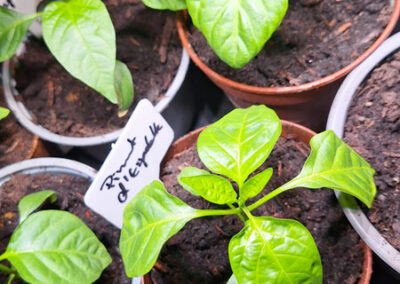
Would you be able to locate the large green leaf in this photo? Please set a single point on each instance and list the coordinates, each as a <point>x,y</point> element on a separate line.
<point>80,34</point>
<point>174,5</point>
<point>56,247</point>
<point>335,165</point>
<point>31,202</point>
<point>255,185</point>
<point>13,27</point>
<point>3,112</point>
<point>123,85</point>
<point>150,219</point>
<point>213,188</point>
<point>240,142</point>
<point>270,250</point>
<point>237,30</point>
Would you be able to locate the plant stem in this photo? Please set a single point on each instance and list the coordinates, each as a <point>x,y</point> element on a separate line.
<point>6,269</point>
<point>239,215</point>
<point>269,196</point>
<point>204,213</point>
<point>11,278</point>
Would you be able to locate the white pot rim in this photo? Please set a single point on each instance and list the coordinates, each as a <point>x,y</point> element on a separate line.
<point>336,122</point>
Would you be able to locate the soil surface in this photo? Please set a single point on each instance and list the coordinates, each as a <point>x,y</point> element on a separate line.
<point>147,42</point>
<point>15,142</point>
<point>373,130</point>
<point>199,252</point>
<point>70,191</point>
<point>315,39</point>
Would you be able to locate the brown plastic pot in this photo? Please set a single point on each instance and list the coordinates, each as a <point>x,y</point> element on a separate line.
<point>289,130</point>
<point>307,104</point>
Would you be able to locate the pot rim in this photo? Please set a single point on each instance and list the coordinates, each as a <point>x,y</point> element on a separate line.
<point>301,133</point>
<point>24,117</point>
<point>336,122</point>
<point>300,89</point>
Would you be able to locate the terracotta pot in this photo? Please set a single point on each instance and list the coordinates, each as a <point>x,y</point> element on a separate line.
<point>307,104</point>
<point>290,130</point>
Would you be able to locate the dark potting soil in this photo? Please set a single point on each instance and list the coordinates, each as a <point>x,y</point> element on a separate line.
<point>16,143</point>
<point>316,38</point>
<point>147,42</point>
<point>373,130</point>
<point>199,252</point>
<point>70,191</point>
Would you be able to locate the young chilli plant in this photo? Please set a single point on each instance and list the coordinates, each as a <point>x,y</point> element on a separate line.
<point>81,36</point>
<point>267,249</point>
<point>52,246</point>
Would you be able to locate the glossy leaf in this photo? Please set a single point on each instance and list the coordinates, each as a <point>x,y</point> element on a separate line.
<point>213,188</point>
<point>150,219</point>
<point>123,85</point>
<point>240,142</point>
<point>255,185</point>
<point>13,27</point>
<point>80,34</point>
<point>188,172</point>
<point>335,165</point>
<point>237,30</point>
<point>232,280</point>
<point>174,5</point>
<point>3,112</point>
<point>270,250</point>
<point>56,247</point>
<point>31,202</point>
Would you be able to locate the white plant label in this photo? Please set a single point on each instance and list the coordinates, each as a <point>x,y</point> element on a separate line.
<point>133,163</point>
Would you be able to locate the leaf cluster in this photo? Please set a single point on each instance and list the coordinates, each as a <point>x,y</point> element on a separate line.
<point>81,36</point>
<point>267,249</point>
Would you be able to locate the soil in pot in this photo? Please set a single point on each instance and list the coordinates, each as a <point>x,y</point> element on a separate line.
<point>70,191</point>
<point>316,38</point>
<point>373,129</point>
<point>147,42</point>
<point>199,252</point>
<point>16,143</point>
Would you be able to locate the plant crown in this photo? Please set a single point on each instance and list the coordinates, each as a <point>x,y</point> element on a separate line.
<point>52,246</point>
<point>267,249</point>
<point>236,30</point>
<point>81,36</point>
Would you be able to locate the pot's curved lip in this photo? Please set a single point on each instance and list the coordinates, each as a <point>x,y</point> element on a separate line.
<point>292,89</point>
<point>24,117</point>
<point>336,121</point>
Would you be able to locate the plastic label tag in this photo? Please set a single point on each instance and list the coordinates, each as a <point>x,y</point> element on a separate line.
<point>133,163</point>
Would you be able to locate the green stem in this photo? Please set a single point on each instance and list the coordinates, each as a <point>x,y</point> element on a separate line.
<point>204,213</point>
<point>269,196</point>
<point>247,212</point>
<point>6,269</point>
<point>12,276</point>
<point>239,215</point>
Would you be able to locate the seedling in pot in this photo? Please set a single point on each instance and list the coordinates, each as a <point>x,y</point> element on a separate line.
<point>81,36</point>
<point>52,246</point>
<point>267,249</point>
<point>3,112</point>
<point>236,30</point>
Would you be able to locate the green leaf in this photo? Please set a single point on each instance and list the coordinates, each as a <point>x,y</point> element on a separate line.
<point>240,142</point>
<point>189,172</point>
<point>31,202</point>
<point>13,27</point>
<point>56,247</point>
<point>232,280</point>
<point>255,185</point>
<point>237,30</point>
<point>3,112</point>
<point>335,165</point>
<point>80,34</point>
<point>174,5</point>
<point>123,85</point>
<point>270,250</point>
<point>213,188</point>
<point>150,219</point>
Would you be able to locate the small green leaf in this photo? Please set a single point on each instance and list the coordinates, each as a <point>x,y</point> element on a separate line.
<point>31,202</point>
<point>237,30</point>
<point>56,247</point>
<point>270,250</point>
<point>80,34</point>
<point>150,219</point>
<point>335,165</point>
<point>255,185</point>
<point>13,27</point>
<point>213,188</point>
<point>3,112</point>
<point>123,85</point>
<point>237,144</point>
<point>174,5</point>
<point>189,172</point>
